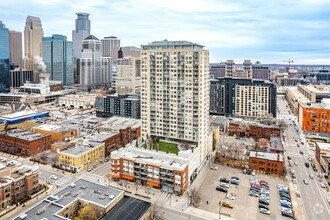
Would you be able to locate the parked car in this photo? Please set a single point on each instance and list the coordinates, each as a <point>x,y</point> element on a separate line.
<point>310,159</point>
<point>235,182</point>
<point>323,185</point>
<point>225,204</point>
<point>296,163</point>
<point>244,171</point>
<point>253,173</point>
<point>314,168</point>
<point>302,153</point>
<point>90,169</point>
<point>231,197</point>
<point>214,167</point>
<point>307,164</point>
<point>298,194</point>
<point>263,206</point>
<point>219,188</point>
<point>311,176</point>
<point>53,177</point>
<point>284,204</point>
<point>265,211</point>
<point>312,165</point>
<point>264,201</point>
<point>224,180</point>
<point>281,186</point>
<point>287,214</point>
<point>253,185</point>
<point>224,185</point>
<point>235,178</point>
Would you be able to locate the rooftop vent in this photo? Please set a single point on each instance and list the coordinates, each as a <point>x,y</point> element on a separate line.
<point>111,197</point>
<point>73,185</point>
<point>40,211</point>
<point>102,197</point>
<point>83,187</point>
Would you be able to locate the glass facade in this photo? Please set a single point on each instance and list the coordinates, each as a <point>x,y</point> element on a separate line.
<point>4,59</point>
<point>57,54</point>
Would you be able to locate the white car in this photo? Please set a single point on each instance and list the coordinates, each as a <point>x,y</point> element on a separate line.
<point>224,185</point>
<point>298,194</point>
<point>230,197</point>
<point>283,187</point>
<point>323,185</point>
<point>283,209</point>
<point>90,169</point>
<point>265,211</point>
<point>310,159</point>
<point>253,173</point>
<point>214,167</point>
<point>53,177</point>
<point>252,180</point>
<point>279,186</point>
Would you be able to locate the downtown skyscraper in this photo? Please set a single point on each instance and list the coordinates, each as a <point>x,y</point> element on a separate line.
<point>16,48</point>
<point>33,34</point>
<point>175,93</point>
<point>4,59</point>
<point>57,54</point>
<point>82,30</point>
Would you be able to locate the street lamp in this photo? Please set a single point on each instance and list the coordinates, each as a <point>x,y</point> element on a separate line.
<point>219,209</point>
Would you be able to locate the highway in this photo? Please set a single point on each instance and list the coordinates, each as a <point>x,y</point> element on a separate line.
<point>313,196</point>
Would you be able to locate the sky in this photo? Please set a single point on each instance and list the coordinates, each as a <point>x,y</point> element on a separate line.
<point>269,31</point>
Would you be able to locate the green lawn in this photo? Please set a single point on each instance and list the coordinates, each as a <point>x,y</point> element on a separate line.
<point>172,148</point>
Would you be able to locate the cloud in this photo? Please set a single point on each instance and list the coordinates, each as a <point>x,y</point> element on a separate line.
<point>242,29</point>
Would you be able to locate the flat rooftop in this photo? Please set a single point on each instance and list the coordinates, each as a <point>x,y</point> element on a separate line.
<point>83,190</point>
<point>158,158</point>
<point>21,114</point>
<point>121,122</point>
<point>219,120</point>
<point>267,155</point>
<point>55,128</point>
<point>25,135</point>
<point>100,137</point>
<point>128,209</point>
<point>252,123</point>
<point>323,146</point>
<point>81,148</point>
<point>276,143</point>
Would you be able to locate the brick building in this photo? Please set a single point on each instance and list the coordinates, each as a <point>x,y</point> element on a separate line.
<point>17,183</point>
<point>58,133</point>
<point>24,143</point>
<point>252,129</point>
<point>322,155</point>
<point>267,162</point>
<point>111,140</point>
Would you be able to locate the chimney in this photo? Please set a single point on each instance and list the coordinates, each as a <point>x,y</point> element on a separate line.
<point>120,54</point>
<point>278,157</point>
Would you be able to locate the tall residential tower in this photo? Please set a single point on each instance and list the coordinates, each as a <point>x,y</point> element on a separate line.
<point>57,54</point>
<point>16,53</point>
<point>175,93</point>
<point>82,30</point>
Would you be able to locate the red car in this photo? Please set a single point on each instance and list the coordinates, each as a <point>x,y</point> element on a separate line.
<point>255,185</point>
<point>262,186</point>
<point>263,181</point>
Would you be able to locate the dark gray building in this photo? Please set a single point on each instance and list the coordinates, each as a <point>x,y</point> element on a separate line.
<point>20,76</point>
<point>245,98</point>
<point>127,105</point>
<point>218,70</point>
<point>260,71</point>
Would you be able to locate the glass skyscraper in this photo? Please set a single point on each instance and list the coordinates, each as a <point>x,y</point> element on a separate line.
<point>57,54</point>
<point>4,59</point>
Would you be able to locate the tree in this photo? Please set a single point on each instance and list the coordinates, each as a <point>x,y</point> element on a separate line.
<point>150,143</point>
<point>86,213</point>
<point>194,196</point>
<point>185,145</point>
<point>155,212</point>
<point>54,159</point>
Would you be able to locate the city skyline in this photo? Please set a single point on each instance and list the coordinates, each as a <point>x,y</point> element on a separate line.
<point>266,31</point>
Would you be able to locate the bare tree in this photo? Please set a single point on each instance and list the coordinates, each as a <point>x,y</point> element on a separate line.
<point>185,145</point>
<point>194,196</point>
<point>150,143</point>
<point>54,159</point>
<point>155,212</point>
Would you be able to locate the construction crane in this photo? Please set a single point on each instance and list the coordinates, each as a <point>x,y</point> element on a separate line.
<point>288,61</point>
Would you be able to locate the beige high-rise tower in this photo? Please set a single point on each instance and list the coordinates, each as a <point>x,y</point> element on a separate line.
<point>128,75</point>
<point>33,34</point>
<point>15,46</point>
<point>175,93</point>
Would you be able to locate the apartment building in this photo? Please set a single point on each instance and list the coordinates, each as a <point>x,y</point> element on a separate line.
<point>125,105</point>
<point>111,140</point>
<point>252,129</point>
<point>175,93</point>
<point>313,118</point>
<point>128,75</point>
<point>24,143</point>
<point>322,155</point>
<point>247,71</point>
<point>17,182</point>
<point>82,156</point>
<point>266,162</point>
<point>57,133</point>
<point>245,98</point>
<point>159,170</point>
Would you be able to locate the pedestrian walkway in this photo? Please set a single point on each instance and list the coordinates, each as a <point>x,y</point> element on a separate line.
<point>295,154</point>
<point>62,181</point>
<point>94,178</point>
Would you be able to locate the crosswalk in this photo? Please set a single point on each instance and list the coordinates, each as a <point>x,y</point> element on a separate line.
<point>63,180</point>
<point>295,154</point>
<point>93,178</point>
<point>295,145</point>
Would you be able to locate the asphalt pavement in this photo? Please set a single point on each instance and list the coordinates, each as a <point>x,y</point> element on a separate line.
<point>313,196</point>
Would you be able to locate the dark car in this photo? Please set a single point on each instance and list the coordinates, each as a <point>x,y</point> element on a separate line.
<point>249,172</point>
<point>264,201</point>
<point>302,153</point>
<point>284,191</point>
<point>235,182</point>
<point>314,168</point>
<point>234,178</point>
<point>287,214</point>
<point>312,165</point>
<point>263,206</point>
<point>225,180</point>
<point>219,188</point>
<point>306,164</point>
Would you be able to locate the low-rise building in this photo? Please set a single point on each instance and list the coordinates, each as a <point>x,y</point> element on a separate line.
<point>111,140</point>
<point>60,145</point>
<point>17,182</point>
<point>276,145</point>
<point>77,101</point>
<point>81,156</point>
<point>21,116</point>
<point>157,169</point>
<point>322,155</point>
<point>252,129</point>
<point>267,162</point>
<point>128,128</point>
<point>108,203</point>
<point>24,143</point>
<point>57,133</point>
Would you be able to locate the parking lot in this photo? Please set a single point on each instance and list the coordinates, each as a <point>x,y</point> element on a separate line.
<point>244,205</point>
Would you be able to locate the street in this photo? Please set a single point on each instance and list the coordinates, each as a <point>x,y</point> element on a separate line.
<point>312,195</point>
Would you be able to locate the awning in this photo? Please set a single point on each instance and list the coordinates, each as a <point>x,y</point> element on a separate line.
<point>127,177</point>
<point>153,184</point>
<point>114,175</point>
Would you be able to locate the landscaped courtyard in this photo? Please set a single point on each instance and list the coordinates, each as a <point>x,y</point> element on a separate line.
<point>167,147</point>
